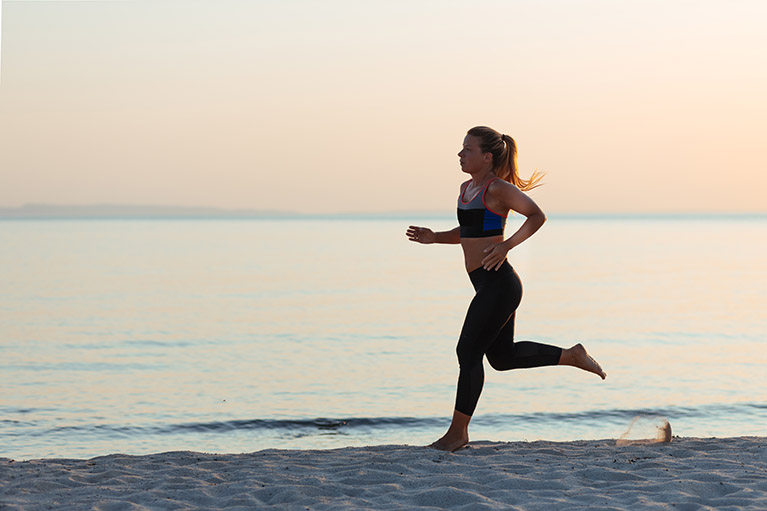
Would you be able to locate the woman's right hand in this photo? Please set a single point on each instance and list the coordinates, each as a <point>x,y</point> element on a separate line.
<point>421,235</point>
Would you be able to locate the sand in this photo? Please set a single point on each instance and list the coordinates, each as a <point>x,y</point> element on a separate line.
<point>686,474</point>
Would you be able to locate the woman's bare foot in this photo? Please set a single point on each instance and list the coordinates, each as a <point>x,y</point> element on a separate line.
<point>450,443</point>
<point>578,357</point>
<point>457,435</point>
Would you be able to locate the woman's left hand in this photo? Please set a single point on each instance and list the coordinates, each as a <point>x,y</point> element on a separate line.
<point>496,255</point>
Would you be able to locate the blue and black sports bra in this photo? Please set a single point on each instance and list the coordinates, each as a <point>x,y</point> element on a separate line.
<point>475,218</point>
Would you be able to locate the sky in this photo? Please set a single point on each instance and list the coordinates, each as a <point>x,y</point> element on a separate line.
<point>361,106</point>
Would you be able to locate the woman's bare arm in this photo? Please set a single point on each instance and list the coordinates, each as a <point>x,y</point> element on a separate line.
<point>427,236</point>
<point>512,198</point>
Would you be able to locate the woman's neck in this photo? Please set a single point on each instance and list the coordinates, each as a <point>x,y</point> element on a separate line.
<point>481,178</point>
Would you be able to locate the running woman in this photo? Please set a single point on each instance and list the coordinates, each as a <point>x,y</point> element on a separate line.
<point>484,202</point>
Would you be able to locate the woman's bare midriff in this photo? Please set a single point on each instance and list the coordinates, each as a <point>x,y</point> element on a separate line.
<point>474,250</point>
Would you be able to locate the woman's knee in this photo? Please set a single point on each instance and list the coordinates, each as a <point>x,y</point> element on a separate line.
<point>468,353</point>
<point>498,361</point>
<point>494,362</point>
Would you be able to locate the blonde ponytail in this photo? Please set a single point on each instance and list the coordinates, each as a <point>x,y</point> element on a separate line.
<point>504,151</point>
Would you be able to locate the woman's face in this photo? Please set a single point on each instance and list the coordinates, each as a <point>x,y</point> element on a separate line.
<point>473,160</point>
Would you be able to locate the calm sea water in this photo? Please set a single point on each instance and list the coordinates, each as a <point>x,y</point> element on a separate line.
<point>238,335</point>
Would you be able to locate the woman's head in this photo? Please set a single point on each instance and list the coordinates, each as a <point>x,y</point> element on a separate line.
<point>504,152</point>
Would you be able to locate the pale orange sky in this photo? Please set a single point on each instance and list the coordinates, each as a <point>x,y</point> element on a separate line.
<point>343,106</point>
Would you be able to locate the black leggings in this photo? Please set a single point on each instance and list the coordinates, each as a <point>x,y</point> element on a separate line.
<point>489,330</point>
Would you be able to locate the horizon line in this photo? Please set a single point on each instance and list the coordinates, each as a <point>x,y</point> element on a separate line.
<point>41,211</point>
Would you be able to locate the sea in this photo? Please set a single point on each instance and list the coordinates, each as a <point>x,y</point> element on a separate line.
<point>234,335</point>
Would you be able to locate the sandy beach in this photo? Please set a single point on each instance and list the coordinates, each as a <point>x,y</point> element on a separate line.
<point>686,474</point>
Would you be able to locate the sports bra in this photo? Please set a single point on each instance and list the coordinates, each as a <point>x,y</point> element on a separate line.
<point>476,220</point>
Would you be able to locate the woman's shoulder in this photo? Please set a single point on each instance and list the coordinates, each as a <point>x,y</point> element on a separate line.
<point>503,195</point>
<point>500,185</point>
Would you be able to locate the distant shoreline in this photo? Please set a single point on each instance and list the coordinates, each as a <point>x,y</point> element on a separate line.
<point>138,212</point>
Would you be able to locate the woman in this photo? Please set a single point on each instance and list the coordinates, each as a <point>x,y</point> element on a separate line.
<point>494,189</point>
